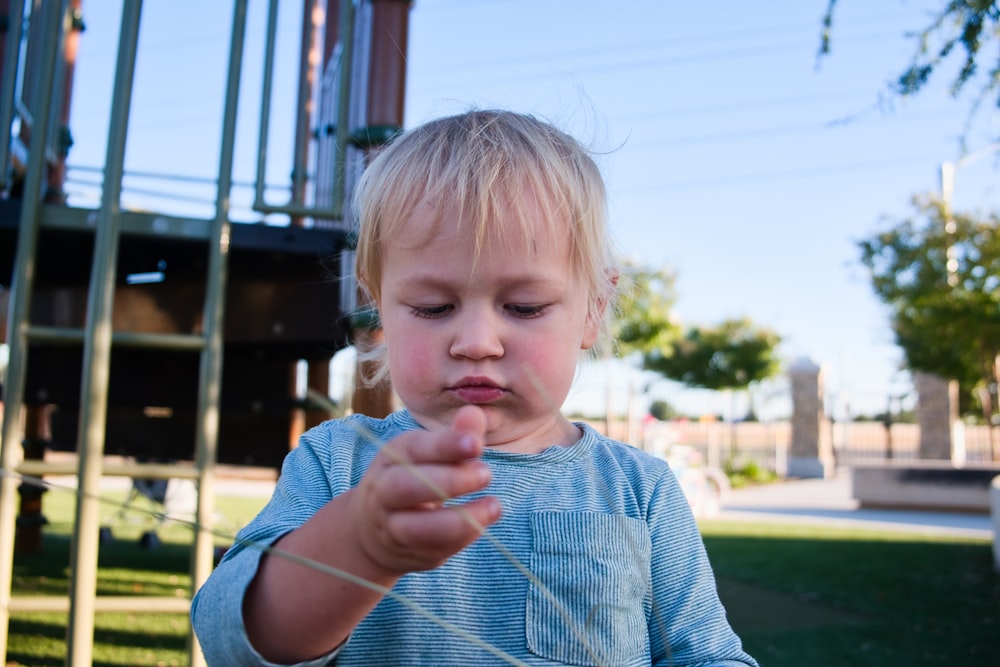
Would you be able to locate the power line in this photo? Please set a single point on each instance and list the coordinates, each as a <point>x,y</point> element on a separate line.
<point>765,33</point>
<point>752,134</point>
<point>784,174</point>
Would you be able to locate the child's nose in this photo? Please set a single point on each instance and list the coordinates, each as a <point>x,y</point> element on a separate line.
<point>477,336</point>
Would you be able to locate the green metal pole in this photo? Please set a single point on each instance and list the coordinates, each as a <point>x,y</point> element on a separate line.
<point>17,316</point>
<point>8,90</point>
<point>97,357</point>
<point>267,84</point>
<point>295,208</point>
<point>210,380</point>
<point>343,105</point>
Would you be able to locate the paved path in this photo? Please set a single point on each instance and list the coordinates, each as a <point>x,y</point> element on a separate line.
<point>829,501</point>
<point>826,501</point>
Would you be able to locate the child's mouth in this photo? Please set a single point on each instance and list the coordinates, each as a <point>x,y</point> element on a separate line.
<point>478,390</point>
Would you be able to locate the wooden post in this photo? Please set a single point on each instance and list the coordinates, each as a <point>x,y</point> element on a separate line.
<point>318,379</point>
<point>28,536</point>
<point>386,96</point>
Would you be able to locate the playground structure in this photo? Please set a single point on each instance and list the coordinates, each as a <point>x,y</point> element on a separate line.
<point>162,337</point>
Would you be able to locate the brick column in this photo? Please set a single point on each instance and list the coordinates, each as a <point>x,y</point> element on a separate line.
<point>811,452</point>
<point>941,436</point>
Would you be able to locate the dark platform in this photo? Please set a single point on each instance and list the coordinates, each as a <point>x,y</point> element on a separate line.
<point>282,305</point>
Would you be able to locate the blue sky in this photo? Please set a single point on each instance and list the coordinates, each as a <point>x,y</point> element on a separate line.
<point>734,157</point>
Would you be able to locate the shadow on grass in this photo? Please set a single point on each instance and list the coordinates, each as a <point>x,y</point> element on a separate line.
<point>42,642</point>
<point>46,572</point>
<point>801,596</point>
<point>754,609</point>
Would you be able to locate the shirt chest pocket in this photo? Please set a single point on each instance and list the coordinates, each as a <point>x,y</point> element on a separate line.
<point>590,601</point>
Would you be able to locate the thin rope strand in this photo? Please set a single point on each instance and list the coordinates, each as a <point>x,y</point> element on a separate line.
<point>492,539</point>
<point>279,553</point>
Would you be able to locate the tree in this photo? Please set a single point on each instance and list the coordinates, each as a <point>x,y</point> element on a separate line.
<point>733,355</point>
<point>645,304</point>
<point>729,357</point>
<point>946,318</point>
<point>662,410</point>
<point>962,27</point>
<point>644,319</point>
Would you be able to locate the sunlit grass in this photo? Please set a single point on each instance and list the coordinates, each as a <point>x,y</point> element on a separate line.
<point>126,568</point>
<point>119,639</point>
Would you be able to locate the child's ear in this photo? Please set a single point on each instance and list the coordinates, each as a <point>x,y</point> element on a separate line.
<point>598,310</point>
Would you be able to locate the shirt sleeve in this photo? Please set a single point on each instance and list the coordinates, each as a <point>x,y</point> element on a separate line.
<point>217,607</point>
<point>688,622</point>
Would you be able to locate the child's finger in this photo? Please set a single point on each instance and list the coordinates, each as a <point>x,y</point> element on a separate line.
<point>408,485</point>
<point>470,420</point>
<point>447,528</point>
<point>463,440</point>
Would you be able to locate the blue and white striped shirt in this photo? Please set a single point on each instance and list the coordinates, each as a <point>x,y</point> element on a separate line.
<point>618,571</point>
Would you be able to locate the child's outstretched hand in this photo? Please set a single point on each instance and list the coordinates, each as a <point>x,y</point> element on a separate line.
<point>399,515</point>
<point>393,522</point>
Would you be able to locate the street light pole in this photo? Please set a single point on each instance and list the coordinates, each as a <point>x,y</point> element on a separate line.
<point>947,191</point>
<point>948,170</point>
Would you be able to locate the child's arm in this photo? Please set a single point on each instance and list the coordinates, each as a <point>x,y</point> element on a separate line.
<point>390,524</point>
<point>690,626</point>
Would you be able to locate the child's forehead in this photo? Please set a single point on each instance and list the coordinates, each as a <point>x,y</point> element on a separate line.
<point>442,251</point>
<point>518,224</point>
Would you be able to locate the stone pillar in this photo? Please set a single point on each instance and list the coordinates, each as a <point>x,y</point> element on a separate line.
<point>811,452</point>
<point>937,413</point>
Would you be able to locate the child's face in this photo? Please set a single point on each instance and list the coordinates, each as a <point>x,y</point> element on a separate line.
<point>502,331</point>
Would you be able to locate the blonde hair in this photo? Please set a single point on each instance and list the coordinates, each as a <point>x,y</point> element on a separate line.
<point>479,163</point>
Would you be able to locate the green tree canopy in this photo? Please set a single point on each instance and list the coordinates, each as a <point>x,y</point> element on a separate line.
<point>967,30</point>
<point>646,322</point>
<point>733,355</point>
<point>662,410</point>
<point>939,274</point>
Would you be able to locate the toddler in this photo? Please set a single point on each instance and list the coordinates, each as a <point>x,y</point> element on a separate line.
<point>477,526</point>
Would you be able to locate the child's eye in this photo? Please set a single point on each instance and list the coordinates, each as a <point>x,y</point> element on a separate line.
<point>431,312</point>
<point>526,311</point>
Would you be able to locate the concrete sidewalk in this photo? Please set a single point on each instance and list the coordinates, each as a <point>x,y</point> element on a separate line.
<point>809,501</point>
<point>829,502</point>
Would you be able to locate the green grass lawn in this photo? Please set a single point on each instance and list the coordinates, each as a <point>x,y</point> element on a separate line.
<point>833,596</point>
<point>126,568</point>
<point>797,595</point>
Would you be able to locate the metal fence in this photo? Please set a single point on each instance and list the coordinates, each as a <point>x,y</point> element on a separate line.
<point>767,443</point>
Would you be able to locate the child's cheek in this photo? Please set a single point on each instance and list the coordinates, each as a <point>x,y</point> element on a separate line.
<point>550,368</point>
<point>412,365</point>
